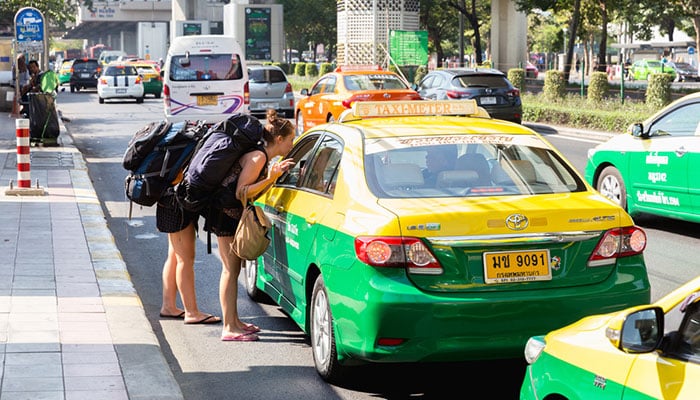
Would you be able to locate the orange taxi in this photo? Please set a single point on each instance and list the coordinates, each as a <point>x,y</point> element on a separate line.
<point>335,92</point>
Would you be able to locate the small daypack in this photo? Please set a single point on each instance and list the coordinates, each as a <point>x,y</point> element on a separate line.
<point>156,157</point>
<point>224,145</point>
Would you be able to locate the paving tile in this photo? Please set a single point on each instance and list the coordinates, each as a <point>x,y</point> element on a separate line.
<point>90,383</point>
<point>31,384</point>
<point>52,395</point>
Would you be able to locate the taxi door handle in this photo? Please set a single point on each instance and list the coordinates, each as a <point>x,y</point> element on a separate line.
<point>311,221</point>
<point>279,209</point>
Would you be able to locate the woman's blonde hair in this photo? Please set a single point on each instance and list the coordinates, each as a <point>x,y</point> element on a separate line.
<point>277,126</point>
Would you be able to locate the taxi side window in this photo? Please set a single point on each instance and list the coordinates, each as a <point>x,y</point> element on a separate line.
<point>680,122</point>
<point>322,174</point>
<point>318,87</point>
<point>301,153</point>
<point>690,331</point>
<point>329,87</point>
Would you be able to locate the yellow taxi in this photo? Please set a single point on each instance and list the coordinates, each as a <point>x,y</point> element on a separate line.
<point>152,81</point>
<point>336,91</point>
<point>644,352</point>
<point>426,231</point>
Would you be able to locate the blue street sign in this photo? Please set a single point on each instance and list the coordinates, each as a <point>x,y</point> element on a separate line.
<point>29,25</point>
<point>691,50</point>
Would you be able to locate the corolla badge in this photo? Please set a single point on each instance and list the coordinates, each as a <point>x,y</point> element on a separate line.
<point>517,222</point>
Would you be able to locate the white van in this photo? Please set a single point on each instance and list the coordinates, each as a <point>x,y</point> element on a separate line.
<point>107,56</point>
<point>204,78</point>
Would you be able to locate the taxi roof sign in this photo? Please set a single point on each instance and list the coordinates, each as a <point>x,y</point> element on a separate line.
<point>366,109</point>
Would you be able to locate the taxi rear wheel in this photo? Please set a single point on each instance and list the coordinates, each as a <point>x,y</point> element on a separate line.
<point>611,185</point>
<point>322,337</point>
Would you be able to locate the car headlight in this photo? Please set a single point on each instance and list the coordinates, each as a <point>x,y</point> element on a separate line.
<point>533,348</point>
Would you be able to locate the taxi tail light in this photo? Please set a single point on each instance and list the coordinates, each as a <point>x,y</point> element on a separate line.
<point>246,93</point>
<point>397,252</point>
<point>347,103</point>
<point>138,80</point>
<point>616,243</point>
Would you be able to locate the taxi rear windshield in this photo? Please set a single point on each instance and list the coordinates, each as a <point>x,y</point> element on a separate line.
<point>466,165</point>
<point>209,67</point>
<point>373,82</point>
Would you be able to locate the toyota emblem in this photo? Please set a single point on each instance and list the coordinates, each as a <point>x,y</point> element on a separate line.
<point>517,222</point>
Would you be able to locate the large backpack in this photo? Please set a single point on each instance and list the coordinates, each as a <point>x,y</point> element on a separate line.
<point>224,145</point>
<point>157,156</point>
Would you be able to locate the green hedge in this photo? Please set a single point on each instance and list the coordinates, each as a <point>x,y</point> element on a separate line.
<point>516,76</point>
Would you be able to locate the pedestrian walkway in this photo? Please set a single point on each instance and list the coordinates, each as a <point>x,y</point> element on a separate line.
<point>71,324</point>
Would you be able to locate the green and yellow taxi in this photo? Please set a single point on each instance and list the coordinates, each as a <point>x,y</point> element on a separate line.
<point>65,71</point>
<point>652,168</point>
<point>640,353</point>
<point>426,231</point>
<point>152,81</point>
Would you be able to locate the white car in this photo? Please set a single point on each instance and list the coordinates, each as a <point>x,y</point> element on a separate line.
<point>120,81</point>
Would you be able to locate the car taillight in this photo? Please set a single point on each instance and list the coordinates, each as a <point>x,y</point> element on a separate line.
<point>246,94</point>
<point>138,80</point>
<point>401,252</point>
<point>513,93</point>
<point>617,243</point>
<point>347,103</point>
<point>288,89</point>
<point>453,94</point>
<point>166,95</point>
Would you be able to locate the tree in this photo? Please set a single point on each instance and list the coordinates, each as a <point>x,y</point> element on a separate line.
<point>472,16</point>
<point>438,19</point>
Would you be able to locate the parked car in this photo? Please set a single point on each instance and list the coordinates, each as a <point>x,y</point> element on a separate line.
<point>652,168</point>
<point>152,81</point>
<point>269,88</point>
<point>426,231</point>
<point>84,74</point>
<point>531,71</point>
<point>643,69</point>
<point>489,87</point>
<point>336,91</point>
<point>120,81</point>
<point>64,71</point>
<point>685,72</point>
<point>644,352</point>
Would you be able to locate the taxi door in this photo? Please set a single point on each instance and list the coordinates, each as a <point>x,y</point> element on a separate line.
<point>661,175</point>
<point>303,199</point>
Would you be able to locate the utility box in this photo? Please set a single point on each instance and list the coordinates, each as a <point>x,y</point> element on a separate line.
<point>152,40</point>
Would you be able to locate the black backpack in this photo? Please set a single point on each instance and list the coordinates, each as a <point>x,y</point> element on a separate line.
<point>225,143</point>
<point>156,157</point>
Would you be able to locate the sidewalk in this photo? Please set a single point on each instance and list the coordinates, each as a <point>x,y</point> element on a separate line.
<point>71,323</point>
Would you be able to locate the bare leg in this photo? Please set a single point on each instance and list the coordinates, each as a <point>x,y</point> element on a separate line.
<point>169,306</point>
<point>228,288</point>
<point>183,245</point>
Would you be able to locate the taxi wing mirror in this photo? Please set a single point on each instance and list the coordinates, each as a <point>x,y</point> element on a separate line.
<point>304,92</point>
<point>640,330</point>
<point>637,130</point>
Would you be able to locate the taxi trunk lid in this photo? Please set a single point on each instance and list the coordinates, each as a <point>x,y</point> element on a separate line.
<point>487,243</point>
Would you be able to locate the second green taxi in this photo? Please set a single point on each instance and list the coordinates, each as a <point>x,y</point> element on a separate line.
<point>651,168</point>
<point>426,231</point>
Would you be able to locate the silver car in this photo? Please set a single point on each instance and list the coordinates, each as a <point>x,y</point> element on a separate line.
<point>269,88</point>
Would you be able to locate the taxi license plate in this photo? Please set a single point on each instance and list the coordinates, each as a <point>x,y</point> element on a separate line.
<point>517,266</point>
<point>209,100</point>
<point>488,100</point>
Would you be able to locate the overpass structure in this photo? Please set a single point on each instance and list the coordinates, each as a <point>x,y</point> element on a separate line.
<point>116,23</point>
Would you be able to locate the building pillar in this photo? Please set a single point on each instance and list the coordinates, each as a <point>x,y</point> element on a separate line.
<point>508,36</point>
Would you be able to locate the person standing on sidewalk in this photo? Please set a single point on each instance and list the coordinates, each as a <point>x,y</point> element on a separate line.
<point>178,269</point>
<point>251,171</point>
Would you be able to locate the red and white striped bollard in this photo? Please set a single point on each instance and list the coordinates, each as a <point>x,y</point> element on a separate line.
<point>23,158</point>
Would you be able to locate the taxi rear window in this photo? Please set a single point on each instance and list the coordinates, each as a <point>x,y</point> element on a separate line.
<point>466,165</point>
<point>373,82</point>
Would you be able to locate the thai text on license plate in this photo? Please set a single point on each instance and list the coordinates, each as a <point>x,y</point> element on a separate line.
<point>207,100</point>
<point>517,266</point>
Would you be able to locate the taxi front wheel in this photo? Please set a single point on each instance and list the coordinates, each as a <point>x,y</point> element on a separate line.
<point>322,337</point>
<point>611,185</point>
